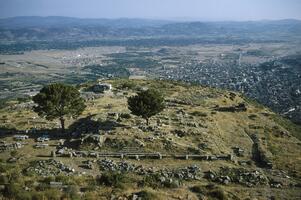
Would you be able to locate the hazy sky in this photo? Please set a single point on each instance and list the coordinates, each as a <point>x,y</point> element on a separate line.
<point>162,9</point>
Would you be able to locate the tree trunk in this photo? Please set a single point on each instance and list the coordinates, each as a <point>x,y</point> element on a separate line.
<point>147,121</point>
<point>62,124</point>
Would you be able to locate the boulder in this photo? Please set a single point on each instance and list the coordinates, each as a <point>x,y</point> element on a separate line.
<point>94,138</point>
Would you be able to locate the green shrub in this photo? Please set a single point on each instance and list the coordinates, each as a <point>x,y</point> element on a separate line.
<point>125,115</point>
<point>151,181</point>
<point>197,189</point>
<point>15,176</point>
<point>66,180</point>
<point>15,191</point>
<point>14,153</point>
<point>91,181</point>
<point>92,195</point>
<point>90,188</point>
<point>23,99</point>
<point>11,190</point>
<point>24,195</point>
<point>3,179</point>
<point>37,195</point>
<point>112,179</point>
<point>52,194</point>
<point>72,192</point>
<point>127,85</point>
<point>4,168</point>
<point>210,190</point>
<point>146,195</point>
<point>154,181</point>
<point>29,183</point>
<point>218,193</point>
<point>43,186</point>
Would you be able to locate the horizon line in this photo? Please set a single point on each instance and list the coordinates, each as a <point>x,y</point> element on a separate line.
<point>179,19</point>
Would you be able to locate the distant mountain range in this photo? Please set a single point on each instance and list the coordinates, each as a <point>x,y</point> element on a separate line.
<point>57,22</point>
<point>66,28</point>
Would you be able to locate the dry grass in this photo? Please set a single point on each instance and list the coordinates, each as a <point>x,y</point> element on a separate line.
<point>220,131</point>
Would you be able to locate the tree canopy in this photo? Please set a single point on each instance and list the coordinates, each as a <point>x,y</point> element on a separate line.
<point>146,104</point>
<point>58,101</point>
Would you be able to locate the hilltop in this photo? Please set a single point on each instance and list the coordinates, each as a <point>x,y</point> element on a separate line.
<point>207,144</point>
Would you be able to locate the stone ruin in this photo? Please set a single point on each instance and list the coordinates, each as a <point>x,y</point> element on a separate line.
<point>241,107</point>
<point>110,165</point>
<point>10,146</point>
<point>260,154</point>
<point>96,139</point>
<point>20,137</point>
<point>237,175</point>
<point>192,172</point>
<point>49,167</point>
<point>41,145</point>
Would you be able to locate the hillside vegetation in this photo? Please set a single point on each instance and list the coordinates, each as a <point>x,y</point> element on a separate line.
<point>206,144</point>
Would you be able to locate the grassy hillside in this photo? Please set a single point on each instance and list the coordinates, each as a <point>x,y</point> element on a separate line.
<point>264,152</point>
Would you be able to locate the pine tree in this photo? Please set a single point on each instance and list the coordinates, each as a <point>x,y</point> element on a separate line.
<point>58,101</point>
<point>146,104</point>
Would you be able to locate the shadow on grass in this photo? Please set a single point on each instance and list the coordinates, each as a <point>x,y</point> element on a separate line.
<point>89,126</point>
<point>80,127</point>
<point>32,133</point>
<point>4,132</point>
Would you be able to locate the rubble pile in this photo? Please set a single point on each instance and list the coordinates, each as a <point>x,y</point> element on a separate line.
<point>10,146</point>
<point>187,173</point>
<point>233,175</point>
<point>110,165</point>
<point>49,167</point>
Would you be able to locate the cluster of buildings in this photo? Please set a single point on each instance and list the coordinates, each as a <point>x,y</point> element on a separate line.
<point>278,88</point>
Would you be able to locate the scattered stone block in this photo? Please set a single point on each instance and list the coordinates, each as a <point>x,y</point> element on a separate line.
<point>41,145</point>
<point>43,138</point>
<point>12,160</point>
<point>21,137</point>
